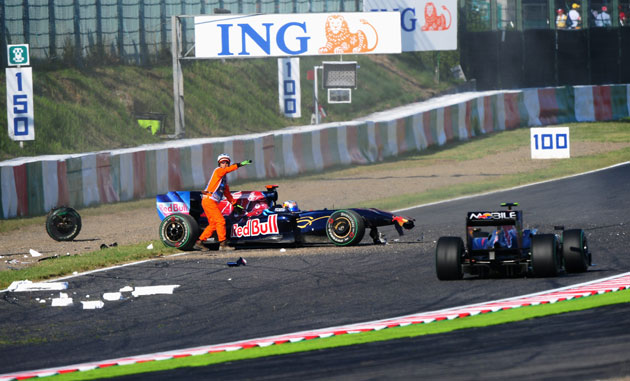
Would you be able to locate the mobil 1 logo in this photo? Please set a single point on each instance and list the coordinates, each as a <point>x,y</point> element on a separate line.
<point>550,143</point>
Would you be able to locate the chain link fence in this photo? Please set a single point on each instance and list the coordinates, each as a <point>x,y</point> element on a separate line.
<point>129,31</point>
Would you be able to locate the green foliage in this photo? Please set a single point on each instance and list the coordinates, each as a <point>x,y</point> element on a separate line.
<point>94,108</point>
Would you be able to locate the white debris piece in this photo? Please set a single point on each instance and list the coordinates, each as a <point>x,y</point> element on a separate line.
<point>154,290</point>
<point>92,304</point>
<point>34,253</point>
<point>126,289</point>
<point>283,250</point>
<point>150,247</point>
<point>112,296</point>
<point>27,285</point>
<point>62,301</point>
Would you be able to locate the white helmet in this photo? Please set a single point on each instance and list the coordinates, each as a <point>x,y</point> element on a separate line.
<point>224,156</point>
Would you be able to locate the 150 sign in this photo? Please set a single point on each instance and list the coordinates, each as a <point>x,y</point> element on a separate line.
<point>20,114</point>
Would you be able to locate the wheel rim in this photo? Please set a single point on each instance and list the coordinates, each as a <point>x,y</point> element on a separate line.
<point>63,224</point>
<point>342,228</point>
<point>174,230</point>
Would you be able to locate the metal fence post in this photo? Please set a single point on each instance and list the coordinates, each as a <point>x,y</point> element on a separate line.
<point>3,42</point>
<point>77,33</point>
<point>26,25</point>
<point>178,78</point>
<point>52,30</point>
<point>144,51</point>
<point>163,39</point>
<point>99,29</point>
<point>121,36</point>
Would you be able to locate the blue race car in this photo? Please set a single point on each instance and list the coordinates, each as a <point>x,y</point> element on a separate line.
<point>261,221</point>
<point>497,243</point>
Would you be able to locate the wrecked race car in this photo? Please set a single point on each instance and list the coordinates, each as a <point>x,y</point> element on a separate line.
<point>261,221</point>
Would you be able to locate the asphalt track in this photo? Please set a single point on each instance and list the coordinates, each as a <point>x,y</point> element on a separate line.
<point>314,288</point>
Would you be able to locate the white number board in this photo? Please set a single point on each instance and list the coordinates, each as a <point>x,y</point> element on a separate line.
<point>20,115</point>
<point>550,143</point>
<point>289,87</point>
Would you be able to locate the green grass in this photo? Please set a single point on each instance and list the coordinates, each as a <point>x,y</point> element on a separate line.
<point>65,265</point>
<point>482,320</point>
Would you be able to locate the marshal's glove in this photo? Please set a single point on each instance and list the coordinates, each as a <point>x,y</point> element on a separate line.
<point>243,163</point>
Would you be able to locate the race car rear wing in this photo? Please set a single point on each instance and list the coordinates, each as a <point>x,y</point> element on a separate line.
<point>500,218</point>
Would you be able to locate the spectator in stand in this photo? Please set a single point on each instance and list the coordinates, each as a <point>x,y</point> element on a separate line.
<point>574,16</point>
<point>622,17</point>
<point>603,18</point>
<point>561,19</point>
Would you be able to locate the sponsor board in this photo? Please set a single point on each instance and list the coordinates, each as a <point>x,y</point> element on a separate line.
<point>425,25</point>
<point>168,208</point>
<point>254,227</point>
<point>300,34</point>
<point>492,215</point>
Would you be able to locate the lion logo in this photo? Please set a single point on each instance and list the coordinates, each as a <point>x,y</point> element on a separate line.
<point>433,21</point>
<point>339,39</point>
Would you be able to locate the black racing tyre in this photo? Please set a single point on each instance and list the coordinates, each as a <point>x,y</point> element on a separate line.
<point>180,231</point>
<point>448,258</point>
<point>545,261</point>
<point>345,228</point>
<point>575,251</point>
<point>63,224</point>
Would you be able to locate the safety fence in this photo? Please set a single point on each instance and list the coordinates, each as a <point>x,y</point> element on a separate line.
<point>32,186</point>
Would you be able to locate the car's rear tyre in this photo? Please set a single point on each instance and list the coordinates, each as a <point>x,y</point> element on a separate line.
<point>545,260</point>
<point>63,224</point>
<point>448,258</point>
<point>575,251</point>
<point>345,228</point>
<point>180,231</point>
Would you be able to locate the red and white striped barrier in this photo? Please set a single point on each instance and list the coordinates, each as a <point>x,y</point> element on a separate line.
<point>611,284</point>
<point>32,186</point>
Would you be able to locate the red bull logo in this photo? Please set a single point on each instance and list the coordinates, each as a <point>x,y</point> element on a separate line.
<point>255,228</point>
<point>168,208</point>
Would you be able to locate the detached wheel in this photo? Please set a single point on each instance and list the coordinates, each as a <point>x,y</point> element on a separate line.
<point>63,224</point>
<point>180,231</point>
<point>345,228</point>
<point>448,258</point>
<point>545,261</point>
<point>575,251</point>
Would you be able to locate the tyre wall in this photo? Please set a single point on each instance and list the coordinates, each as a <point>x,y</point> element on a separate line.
<point>32,186</point>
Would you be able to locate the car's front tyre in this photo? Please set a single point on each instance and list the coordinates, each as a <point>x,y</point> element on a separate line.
<point>345,228</point>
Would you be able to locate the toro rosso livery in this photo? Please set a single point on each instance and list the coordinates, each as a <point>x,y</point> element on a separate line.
<point>257,219</point>
<point>497,243</point>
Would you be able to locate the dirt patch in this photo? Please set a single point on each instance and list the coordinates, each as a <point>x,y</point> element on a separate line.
<point>335,189</point>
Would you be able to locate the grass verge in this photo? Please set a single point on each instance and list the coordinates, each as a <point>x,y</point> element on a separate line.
<point>66,265</point>
<point>482,320</point>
